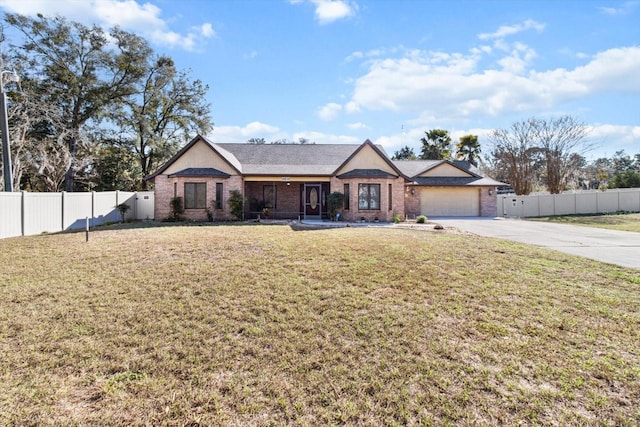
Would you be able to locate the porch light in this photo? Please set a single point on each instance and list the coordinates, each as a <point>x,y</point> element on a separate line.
<point>491,191</point>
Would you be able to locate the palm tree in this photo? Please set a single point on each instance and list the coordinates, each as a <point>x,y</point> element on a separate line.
<point>468,149</point>
<point>436,145</point>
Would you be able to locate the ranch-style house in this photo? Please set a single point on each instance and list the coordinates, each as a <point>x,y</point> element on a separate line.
<point>291,181</point>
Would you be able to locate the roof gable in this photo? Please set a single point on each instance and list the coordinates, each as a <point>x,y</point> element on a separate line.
<point>197,154</point>
<point>446,169</point>
<point>368,157</point>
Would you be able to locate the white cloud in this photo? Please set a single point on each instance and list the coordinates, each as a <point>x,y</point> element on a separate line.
<point>509,30</point>
<point>328,11</point>
<point>144,19</point>
<point>351,107</point>
<point>357,126</point>
<point>248,131</point>
<point>450,85</point>
<point>622,137</point>
<point>329,111</point>
<point>624,9</point>
<point>250,55</point>
<point>207,30</point>
<point>324,138</point>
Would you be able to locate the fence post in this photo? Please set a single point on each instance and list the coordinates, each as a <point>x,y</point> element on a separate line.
<point>22,215</point>
<point>93,208</point>
<point>62,216</point>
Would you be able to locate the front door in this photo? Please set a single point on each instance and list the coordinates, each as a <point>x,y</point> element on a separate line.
<point>312,201</point>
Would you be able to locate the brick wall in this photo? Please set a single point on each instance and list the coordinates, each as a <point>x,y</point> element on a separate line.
<point>488,203</point>
<point>164,192</point>
<point>384,214</point>
<point>412,202</point>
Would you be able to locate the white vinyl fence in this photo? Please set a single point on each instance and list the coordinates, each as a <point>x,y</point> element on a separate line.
<point>23,213</point>
<point>579,202</point>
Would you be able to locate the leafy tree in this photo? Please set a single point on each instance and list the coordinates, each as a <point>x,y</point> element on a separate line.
<point>256,141</point>
<point>436,145</point>
<point>79,69</point>
<point>621,162</point>
<point>163,112</point>
<point>405,153</point>
<point>116,167</point>
<point>559,139</point>
<point>626,179</point>
<point>468,148</point>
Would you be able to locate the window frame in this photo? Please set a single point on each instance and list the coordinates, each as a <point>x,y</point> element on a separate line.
<point>219,195</point>
<point>196,199</point>
<point>367,205</point>
<point>347,195</point>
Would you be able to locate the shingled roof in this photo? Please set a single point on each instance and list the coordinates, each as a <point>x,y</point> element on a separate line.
<point>289,159</point>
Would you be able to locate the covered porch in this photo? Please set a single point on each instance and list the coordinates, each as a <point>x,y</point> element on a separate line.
<point>275,197</point>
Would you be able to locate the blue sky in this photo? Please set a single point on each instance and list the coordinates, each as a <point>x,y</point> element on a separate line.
<point>342,71</point>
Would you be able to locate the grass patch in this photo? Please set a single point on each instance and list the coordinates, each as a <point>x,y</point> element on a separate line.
<point>622,222</point>
<point>263,325</point>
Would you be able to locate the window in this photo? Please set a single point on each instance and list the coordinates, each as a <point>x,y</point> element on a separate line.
<point>346,197</point>
<point>369,196</point>
<point>269,196</point>
<point>195,195</point>
<point>218,195</point>
<point>390,196</point>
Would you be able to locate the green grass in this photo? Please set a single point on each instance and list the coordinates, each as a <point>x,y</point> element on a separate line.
<point>622,222</point>
<point>263,325</point>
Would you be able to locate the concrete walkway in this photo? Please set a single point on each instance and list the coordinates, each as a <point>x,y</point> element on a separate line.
<point>611,246</point>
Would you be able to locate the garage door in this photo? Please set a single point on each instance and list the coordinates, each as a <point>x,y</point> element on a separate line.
<point>446,201</point>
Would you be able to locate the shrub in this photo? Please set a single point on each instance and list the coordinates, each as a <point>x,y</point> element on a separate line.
<point>397,218</point>
<point>236,204</point>
<point>177,207</point>
<point>335,202</point>
<point>421,219</point>
<point>123,208</point>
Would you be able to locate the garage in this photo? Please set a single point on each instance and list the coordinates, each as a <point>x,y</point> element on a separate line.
<point>450,201</point>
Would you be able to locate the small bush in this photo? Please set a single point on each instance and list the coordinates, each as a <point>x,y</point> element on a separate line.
<point>123,208</point>
<point>335,201</point>
<point>421,219</point>
<point>397,218</point>
<point>177,208</point>
<point>236,204</point>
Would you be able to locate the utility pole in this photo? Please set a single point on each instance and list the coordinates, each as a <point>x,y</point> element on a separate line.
<point>4,127</point>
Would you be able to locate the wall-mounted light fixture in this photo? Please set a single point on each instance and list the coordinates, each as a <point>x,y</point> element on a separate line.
<point>413,191</point>
<point>491,191</point>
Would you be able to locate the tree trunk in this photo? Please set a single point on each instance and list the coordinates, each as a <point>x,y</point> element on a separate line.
<point>69,176</point>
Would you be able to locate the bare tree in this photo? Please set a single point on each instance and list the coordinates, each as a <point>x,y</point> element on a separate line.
<point>560,139</point>
<point>515,155</point>
<point>38,145</point>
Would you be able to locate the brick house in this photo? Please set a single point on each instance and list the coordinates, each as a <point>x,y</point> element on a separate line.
<point>290,181</point>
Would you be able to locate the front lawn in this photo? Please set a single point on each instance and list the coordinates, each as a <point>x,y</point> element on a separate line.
<point>622,222</point>
<point>263,325</point>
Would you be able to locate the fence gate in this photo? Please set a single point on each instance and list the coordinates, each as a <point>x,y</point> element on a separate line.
<point>144,204</point>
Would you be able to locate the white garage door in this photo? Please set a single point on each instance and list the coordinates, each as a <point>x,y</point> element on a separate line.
<point>446,201</point>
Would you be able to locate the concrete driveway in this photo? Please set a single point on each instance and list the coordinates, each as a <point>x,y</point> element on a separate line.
<point>611,246</point>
